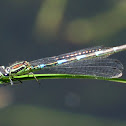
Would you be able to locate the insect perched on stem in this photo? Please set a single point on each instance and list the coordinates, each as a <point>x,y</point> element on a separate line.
<point>90,61</point>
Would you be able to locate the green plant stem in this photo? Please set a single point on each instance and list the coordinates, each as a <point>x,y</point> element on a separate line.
<point>58,76</point>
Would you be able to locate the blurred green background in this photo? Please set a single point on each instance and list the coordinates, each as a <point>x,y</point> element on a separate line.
<point>32,29</point>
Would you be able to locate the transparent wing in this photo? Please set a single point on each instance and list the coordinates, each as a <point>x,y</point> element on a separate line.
<point>67,55</point>
<point>110,68</point>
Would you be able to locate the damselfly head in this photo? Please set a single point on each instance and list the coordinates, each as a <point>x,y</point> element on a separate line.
<point>3,71</point>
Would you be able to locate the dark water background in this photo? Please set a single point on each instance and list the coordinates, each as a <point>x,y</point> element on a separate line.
<point>32,29</point>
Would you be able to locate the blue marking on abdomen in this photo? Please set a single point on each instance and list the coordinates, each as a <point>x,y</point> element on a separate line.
<point>80,57</point>
<point>61,61</point>
<point>98,53</point>
<point>42,65</point>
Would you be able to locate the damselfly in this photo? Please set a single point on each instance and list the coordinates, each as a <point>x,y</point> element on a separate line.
<point>89,61</point>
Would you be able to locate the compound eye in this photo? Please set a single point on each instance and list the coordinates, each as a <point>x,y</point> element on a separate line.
<point>3,67</point>
<point>8,69</point>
